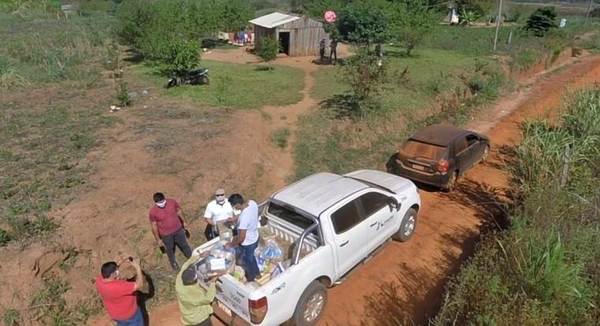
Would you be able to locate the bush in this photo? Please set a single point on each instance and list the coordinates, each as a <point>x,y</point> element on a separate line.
<point>541,21</point>
<point>268,49</point>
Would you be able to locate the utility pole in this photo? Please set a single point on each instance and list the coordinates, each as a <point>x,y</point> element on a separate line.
<point>498,23</point>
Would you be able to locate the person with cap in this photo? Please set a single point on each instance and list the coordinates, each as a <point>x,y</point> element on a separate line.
<point>247,234</point>
<point>194,301</point>
<point>166,220</point>
<point>119,296</point>
<point>217,211</point>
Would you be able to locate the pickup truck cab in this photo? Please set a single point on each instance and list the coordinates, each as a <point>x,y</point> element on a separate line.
<point>332,223</point>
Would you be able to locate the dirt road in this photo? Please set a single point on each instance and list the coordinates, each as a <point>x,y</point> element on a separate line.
<point>405,282</point>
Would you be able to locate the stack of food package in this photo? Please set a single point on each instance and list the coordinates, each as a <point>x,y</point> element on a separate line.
<point>269,258</point>
<point>219,261</point>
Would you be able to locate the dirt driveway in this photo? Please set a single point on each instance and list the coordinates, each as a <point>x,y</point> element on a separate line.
<point>404,283</point>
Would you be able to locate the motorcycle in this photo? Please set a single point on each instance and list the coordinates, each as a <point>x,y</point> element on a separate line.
<point>193,77</point>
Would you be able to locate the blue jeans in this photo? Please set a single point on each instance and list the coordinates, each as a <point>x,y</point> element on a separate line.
<point>249,261</point>
<point>136,320</point>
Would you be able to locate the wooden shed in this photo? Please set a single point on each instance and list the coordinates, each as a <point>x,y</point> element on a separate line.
<point>298,36</point>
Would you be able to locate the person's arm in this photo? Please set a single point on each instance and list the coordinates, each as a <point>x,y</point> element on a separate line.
<point>239,239</point>
<point>139,276</point>
<point>180,213</point>
<point>154,227</point>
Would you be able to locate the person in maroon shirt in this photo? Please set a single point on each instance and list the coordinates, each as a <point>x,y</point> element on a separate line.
<point>166,220</point>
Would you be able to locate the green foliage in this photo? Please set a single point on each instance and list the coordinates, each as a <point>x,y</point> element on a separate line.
<point>364,76</point>
<point>541,21</point>
<point>280,137</point>
<point>544,269</point>
<point>268,49</point>
<point>364,22</point>
<point>411,22</point>
<point>4,237</point>
<point>12,317</point>
<point>123,93</point>
<point>169,32</point>
<point>51,307</point>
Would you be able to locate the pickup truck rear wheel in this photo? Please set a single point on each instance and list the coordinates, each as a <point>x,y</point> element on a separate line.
<point>408,226</point>
<point>311,305</point>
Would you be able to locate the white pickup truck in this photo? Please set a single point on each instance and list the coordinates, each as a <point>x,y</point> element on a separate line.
<point>333,223</point>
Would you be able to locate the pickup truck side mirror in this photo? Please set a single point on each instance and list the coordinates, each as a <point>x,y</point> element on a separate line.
<point>393,203</point>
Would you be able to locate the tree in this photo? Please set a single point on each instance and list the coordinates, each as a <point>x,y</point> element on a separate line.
<point>365,22</point>
<point>365,78</point>
<point>268,49</point>
<point>410,22</point>
<point>541,21</point>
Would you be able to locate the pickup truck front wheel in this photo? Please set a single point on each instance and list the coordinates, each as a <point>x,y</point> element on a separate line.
<point>311,305</point>
<point>408,226</point>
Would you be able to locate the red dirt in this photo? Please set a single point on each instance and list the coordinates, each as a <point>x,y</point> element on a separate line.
<point>413,275</point>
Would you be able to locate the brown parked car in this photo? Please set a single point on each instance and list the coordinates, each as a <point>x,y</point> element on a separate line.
<point>437,155</point>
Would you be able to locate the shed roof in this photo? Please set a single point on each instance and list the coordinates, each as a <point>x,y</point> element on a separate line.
<point>273,20</point>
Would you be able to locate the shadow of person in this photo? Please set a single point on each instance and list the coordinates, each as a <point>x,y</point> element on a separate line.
<point>143,296</point>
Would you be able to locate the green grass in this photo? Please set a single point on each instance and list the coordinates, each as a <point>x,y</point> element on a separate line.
<point>236,85</point>
<point>280,137</point>
<point>39,162</point>
<point>42,49</point>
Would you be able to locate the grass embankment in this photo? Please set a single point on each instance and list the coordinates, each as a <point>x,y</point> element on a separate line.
<point>236,85</point>
<point>543,270</point>
<point>451,74</point>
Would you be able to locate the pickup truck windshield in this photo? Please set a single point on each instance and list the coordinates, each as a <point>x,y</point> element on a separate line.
<point>289,216</point>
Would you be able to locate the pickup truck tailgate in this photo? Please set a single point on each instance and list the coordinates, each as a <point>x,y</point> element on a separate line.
<point>234,295</point>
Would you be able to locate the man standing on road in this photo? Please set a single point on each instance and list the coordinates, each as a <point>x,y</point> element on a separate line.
<point>118,296</point>
<point>218,210</point>
<point>194,301</point>
<point>247,238</point>
<point>166,220</point>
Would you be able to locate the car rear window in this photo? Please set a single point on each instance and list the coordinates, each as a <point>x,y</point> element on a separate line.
<point>416,149</point>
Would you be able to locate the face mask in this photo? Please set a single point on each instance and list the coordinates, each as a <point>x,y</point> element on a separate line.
<point>162,203</point>
<point>220,199</point>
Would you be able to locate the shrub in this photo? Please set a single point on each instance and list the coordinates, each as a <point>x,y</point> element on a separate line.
<point>280,137</point>
<point>268,49</point>
<point>123,97</point>
<point>541,21</point>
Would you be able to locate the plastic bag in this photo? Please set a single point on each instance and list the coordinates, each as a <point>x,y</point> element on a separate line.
<point>271,251</point>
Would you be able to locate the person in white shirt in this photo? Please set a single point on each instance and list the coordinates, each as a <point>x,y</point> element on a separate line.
<point>247,238</point>
<point>217,211</point>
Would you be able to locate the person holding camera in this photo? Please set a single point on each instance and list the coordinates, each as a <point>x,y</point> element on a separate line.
<point>119,296</point>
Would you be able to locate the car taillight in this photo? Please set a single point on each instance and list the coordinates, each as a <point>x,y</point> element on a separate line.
<point>258,309</point>
<point>443,166</point>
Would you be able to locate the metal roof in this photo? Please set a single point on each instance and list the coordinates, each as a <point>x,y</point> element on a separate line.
<point>316,193</point>
<point>440,135</point>
<point>273,20</point>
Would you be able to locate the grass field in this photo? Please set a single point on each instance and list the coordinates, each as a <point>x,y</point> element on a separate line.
<point>236,85</point>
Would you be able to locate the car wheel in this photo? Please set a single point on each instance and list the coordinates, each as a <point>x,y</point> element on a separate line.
<point>311,305</point>
<point>205,80</point>
<point>408,226</point>
<point>486,152</point>
<point>452,180</point>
